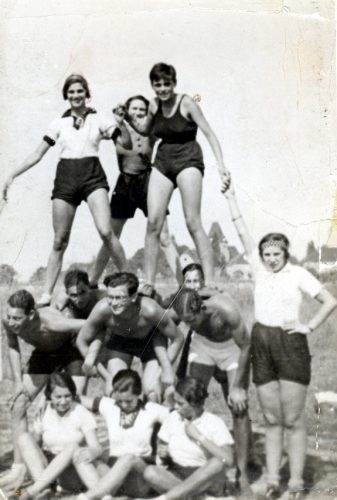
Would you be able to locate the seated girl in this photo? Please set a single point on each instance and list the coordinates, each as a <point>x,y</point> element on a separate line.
<point>195,444</point>
<point>69,445</point>
<point>130,424</point>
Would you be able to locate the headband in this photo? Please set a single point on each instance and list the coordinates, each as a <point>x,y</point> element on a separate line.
<point>275,243</point>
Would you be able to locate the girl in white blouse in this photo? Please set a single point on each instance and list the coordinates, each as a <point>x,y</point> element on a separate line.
<point>130,423</point>
<point>64,443</point>
<point>79,173</point>
<point>280,353</point>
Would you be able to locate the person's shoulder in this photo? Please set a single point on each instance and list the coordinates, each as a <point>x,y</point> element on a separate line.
<point>223,303</point>
<point>149,308</point>
<point>156,408</point>
<point>101,308</point>
<point>212,419</point>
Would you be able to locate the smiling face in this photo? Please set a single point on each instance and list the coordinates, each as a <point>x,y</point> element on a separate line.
<point>79,295</point>
<point>76,96</point>
<point>137,108</point>
<point>61,399</point>
<point>17,319</point>
<point>164,89</point>
<point>273,258</point>
<point>119,299</point>
<point>193,280</point>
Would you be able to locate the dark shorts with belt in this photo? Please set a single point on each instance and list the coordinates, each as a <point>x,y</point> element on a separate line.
<point>76,179</point>
<point>67,358</point>
<point>141,348</point>
<point>130,193</point>
<point>278,355</point>
<point>171,159</point>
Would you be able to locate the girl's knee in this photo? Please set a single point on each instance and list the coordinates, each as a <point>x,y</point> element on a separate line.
<point>216,465</point>
<point>150,474</point>
<point>60,242</point>
<point>271,419</point>
<point>105,234</point>
<point>193,224</point>
<point>293,420</point>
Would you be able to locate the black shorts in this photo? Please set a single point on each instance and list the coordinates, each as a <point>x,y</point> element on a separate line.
<point>76,179</point>
<point>171,159</point>
<point>180,471</point>
<point>67,358</point>
<point>278,355</point>
<point>130,193</point>
<point>141,348</point>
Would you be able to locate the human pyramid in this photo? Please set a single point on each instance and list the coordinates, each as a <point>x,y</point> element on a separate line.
<point>163,444</point>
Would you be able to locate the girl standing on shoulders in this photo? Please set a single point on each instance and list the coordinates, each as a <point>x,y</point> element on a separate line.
<point>280,353</point>
<point>175,119</point>
<point>79,174</point>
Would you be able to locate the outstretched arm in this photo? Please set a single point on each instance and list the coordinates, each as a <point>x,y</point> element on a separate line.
<point>239,222</point>
<point>197,115</point>
<point>28,163</point>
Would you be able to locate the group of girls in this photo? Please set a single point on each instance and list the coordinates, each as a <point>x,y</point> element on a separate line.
<point>194,447</point>
<point>174,119</point>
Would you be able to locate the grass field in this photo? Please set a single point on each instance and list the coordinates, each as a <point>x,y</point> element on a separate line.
<point>321,470</point>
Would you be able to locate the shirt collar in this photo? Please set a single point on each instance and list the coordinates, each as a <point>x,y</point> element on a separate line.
<point>78,120</point>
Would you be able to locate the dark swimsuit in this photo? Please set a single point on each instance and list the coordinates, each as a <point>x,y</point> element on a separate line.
<point>178,149</point>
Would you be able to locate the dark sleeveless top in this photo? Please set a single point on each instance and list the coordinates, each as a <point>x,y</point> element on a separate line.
<point>178,148</point>
<point>174,129</point>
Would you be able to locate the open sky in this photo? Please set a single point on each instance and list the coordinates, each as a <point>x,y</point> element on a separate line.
<point>266,78</point>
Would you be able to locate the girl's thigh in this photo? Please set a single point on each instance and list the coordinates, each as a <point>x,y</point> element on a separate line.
<point>158,195</point>
<point>190,186</point>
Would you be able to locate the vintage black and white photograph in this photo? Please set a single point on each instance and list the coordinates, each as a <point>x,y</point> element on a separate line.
<point>168,242</point>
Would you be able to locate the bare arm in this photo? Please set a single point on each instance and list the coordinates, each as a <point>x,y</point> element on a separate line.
<point>14,357</point>
<point>329,304</point>
<point>28,163</point>
<point>89,333</point>
<point>55,322</point>
<point>197,115</point>
<point>224,453</point>
<point>239,222</point>
<point>94,448</point>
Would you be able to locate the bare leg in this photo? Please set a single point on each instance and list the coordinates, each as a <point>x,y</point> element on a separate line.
<point>242,436</point>
<point>86,470</point>
<point>98,203</point>
<point>293,397</point>
<point>170,251</point>
<point>190,186</point>
<point>158,197</point>
<point>151,381</point>
<point>114,479</point>
<point>197,482</point>
<point>103,255</point>
<point>63,218</point>
<point>269,398</point>
<point>51,472</point>
<point>118,361</point>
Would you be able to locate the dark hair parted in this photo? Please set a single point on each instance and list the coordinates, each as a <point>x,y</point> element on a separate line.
<point>75,277</point>
<point>163,71</point>
<point>193,390</point>
<point>276,239</point>
<point>194,266</point>
<point>118,279</point>
<point>61,379</point>
<point>75,78</point>
<point>186,302</point>
<point>22,300</point>
<point>127,380</point>
<point>139,98</point>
